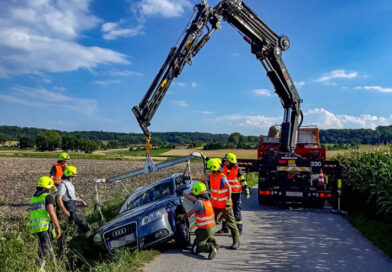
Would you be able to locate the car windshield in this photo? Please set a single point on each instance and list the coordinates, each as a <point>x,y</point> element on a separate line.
<point>151,194</point>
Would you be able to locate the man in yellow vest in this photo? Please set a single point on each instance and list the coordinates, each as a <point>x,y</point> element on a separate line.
<point>205,220</point>
<point>238,185</point>
<point>57,171</point>
<point>221,197</point>
<point>42,214</point>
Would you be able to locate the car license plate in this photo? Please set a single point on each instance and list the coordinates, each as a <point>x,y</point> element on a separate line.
<point>130,238</point>
<point>294,194</point>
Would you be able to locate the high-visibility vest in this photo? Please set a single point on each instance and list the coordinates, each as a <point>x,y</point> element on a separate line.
<point>232,176</point>
<point>206,220</point>
<point>219,195</point>
<point>39,216</point>
<point>58,177</point>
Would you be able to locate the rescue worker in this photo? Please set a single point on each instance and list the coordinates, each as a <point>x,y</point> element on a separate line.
<point>43,215</point>
<point>57,171</point>
<point>205,220</point>
<point>221,197</point>
<point>68,201</point>
<point>238,185</point>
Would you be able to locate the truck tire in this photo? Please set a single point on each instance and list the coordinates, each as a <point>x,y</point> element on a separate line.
<point>264,200</point>
<point>182,235</point>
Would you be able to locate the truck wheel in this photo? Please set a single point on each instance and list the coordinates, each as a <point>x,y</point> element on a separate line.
<point>182,235</point>
<point>264,200</point>
<point>319,204</point>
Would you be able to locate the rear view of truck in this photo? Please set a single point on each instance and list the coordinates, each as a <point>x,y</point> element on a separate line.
<point>290,177</point>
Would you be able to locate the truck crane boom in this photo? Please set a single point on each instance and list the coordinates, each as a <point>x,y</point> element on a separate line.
<point>265,44</point>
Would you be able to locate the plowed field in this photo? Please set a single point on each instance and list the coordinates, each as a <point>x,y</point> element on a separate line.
<point>19,176</point>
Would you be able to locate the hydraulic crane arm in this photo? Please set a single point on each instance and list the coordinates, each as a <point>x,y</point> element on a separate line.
<point>268,47</point>
<point>187,47</point>
<point>265,44</point>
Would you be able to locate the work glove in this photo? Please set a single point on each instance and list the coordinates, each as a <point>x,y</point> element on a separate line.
<point>180,190</point>
<point>228,202</point>
<point>246,191</point>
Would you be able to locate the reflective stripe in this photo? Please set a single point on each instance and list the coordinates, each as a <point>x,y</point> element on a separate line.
<point>219,191</point>
<point>38,206</point>
<point>44,219</point>
<point>205,218</point>
<point>219,199</point>
<point>239,222</point>
<point>39,226</point>
<point>205,223</point>
<point>235,186</point>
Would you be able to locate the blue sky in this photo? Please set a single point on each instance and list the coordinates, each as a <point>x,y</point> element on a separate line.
<point>81,65</point>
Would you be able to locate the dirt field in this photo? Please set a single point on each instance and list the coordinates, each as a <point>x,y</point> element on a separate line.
<point>19,177</point>
<point>241,153</point>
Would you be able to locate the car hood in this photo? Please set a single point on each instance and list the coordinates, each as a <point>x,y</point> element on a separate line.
<point>136,214</point>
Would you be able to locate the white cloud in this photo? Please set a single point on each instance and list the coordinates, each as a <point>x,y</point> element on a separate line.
<point>164,8</point>
<point>207,112</point>
<point>247,123</point>
<point>42,99</point>
<point>125,73</point>
<point>300,84</point>
<point>181,84</point>
<point>194,85</point>
<point>106,82</point>
<point>59,88</point>
<point>180,103</point>
<point>40,36</point>
<point>262,92</point>
<point>113,31</point>
<point>337,74</point>
<point>375,88</point>
<point>325,119</point>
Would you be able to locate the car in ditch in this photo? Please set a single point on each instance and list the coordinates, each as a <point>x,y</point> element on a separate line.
<point>149,217</point>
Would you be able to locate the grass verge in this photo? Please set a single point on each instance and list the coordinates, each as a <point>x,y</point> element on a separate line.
<point>18,249</point>
<point>377,230</point>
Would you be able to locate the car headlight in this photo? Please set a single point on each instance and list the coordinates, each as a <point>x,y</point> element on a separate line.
<point>153,216</point>
<point>97,238</point>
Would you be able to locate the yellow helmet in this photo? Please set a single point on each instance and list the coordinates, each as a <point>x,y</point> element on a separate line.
<point>198,187</point>
<point>64,157</point>
<point>231,157</point>
<point>213,164</point>
<point>45,182</point>
<point>71,171</point>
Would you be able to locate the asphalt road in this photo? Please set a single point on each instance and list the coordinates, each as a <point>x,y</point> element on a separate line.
<point>284,240</point>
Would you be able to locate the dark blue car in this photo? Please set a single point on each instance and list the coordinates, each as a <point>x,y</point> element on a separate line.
<point>149,217</point>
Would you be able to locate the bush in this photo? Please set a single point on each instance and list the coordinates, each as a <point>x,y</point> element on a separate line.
<point>26,142</point>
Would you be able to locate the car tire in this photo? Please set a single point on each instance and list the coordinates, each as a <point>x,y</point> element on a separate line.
<point>182,235</point>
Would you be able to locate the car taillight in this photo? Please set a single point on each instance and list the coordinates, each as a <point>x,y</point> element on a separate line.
<point>261,192</point>
<point>325,195</point>
<point>282,161</point>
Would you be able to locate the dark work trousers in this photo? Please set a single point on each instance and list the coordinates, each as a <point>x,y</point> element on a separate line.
<point>76,217</point>
<point>44,244</point>
<point>236,198</point>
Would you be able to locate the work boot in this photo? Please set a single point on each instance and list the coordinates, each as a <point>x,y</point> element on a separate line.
<point>194,249</point>
<point>213,252</point>
<point>223,230</point>
<point>235,245</point>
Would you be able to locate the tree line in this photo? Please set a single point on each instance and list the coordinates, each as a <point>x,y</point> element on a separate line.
<point>89,141</point>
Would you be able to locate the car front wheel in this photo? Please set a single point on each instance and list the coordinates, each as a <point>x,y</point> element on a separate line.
<point>182,235</point>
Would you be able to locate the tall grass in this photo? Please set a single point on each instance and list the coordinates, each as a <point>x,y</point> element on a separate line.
<point>73,252</point>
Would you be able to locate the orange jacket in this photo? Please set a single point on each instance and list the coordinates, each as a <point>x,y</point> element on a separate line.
<point>58,177</point>
<point>219,195</point>
<point>234,181</point>
<point>206,220</point>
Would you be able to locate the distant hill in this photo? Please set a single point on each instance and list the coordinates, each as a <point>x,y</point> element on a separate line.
<point>381,135</point>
